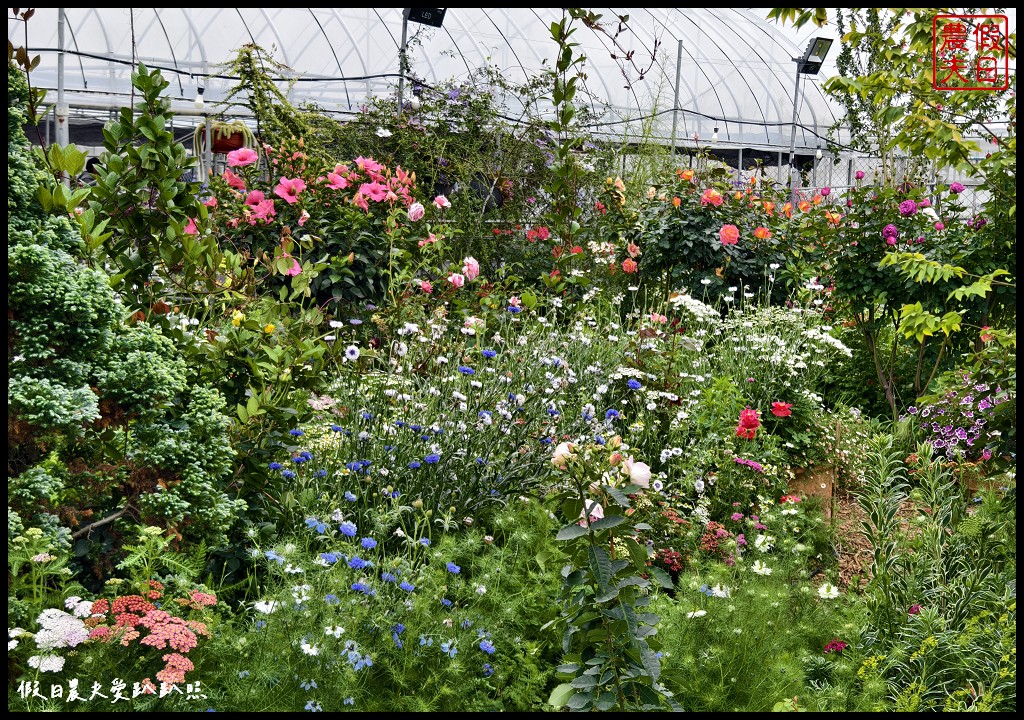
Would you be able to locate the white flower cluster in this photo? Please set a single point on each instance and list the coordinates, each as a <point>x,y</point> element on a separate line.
<point>60,630</point>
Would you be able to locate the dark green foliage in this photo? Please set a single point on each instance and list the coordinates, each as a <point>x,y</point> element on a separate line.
<point>103,427</point>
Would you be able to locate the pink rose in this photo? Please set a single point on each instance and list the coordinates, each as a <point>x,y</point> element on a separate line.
<point>471,268</point>
<point>457,280</point>
<point>416,212</point>
<point>442,202</point>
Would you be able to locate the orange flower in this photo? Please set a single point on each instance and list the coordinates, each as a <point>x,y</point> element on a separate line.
<point>986,336</point>
<point>762,233</point>
<point>804,206</point>
<point>738,195</point>
<point>676,202</point>
<point>629,266</point>
<point>686,175</point>
<point>729,234</point>
<point>753,180</point>
<point>832,217</point>
<point>769,207</point>
<point>817,200</point>
<point>633,249</point>
<point>788,209</point>
<point>712,197</point>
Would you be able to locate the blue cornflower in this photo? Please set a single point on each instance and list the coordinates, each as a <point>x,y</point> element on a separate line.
<point>514,310</point>
<point>398,628</point>
<point>466,370</point>
<point>612,414</point>
<point>276,466</point>
<point>426,641</point>
<point>553,411</point>
<point>388,577</point>
<point>357,563</point>
<point>481,461</point>
<point>545,441</point>
<point>295,432</point>
<point>599,440</point>
<point>314,524</point>
<point>487,646</point>
<point>308,685</point>
<point>271,555</point>
<point>446,602</point>
<point>449,648</point>
<point>432,458</point>
<point>488,670</point>
<point>329,557</point>
<point>331,599</point>
<point>415,465</point>
<point>407,586</point>
<point>489,353</point>
<point>453,568</point>
<point>484,414</point>
<point>399,423</point>
<point>287,474</point>
<point>395,494</point>
<point>365,590</point>
<point>336,428</point>
<point>467,624</point>
<point>350,497</point>
<point>313,706</point>
<point>349,701</point>
<point>634,384</point>
<point>368,543</point>
<point>424,437</point>
<point>306,454</point>
<point>367,416</point>
<point>348,528</point>
<point>415,428</point>
<point>243,674</point>
<point>321,473</point>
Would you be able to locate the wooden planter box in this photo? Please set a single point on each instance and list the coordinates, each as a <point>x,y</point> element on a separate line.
<point>819,482</point>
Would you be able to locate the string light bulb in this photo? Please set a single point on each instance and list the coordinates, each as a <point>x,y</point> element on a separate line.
<point>199,97</point>
<point>817,154</point>
<point>714,135</point>
<point>415,103</point>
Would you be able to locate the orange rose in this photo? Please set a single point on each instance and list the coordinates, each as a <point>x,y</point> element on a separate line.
<point>729,234</point>
<point>762,233</point>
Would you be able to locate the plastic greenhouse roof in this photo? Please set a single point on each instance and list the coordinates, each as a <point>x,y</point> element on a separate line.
<point>736,72</point>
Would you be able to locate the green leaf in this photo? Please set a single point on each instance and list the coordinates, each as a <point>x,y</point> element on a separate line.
<point>600,565</point>
<point>662,578</point>
<point>560,695</point>
<point>608,521</point>
<point>571,532</point>
<point>584,681</point>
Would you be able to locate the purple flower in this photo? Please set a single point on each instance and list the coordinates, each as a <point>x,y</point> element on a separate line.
<point>825,191</point>
<point>859,175</point>
<point>908,208</point>
<point>956,188</point>
<point>890,231</point>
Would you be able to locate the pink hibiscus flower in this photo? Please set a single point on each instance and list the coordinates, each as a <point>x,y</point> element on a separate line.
<point>288,190</point>
<point>242,156</point>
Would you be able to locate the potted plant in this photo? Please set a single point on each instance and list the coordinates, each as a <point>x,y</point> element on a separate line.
<point>224,137</point>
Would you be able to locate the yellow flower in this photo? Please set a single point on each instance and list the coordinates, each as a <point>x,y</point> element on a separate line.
<point>237,317</point>
<point>268,328</point>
